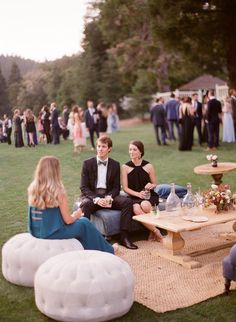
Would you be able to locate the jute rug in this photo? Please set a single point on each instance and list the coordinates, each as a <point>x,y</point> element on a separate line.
<point>164,286</point>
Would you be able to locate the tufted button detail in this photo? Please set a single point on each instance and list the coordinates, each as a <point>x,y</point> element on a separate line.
<point>23,254</point>
<point>93,286</point>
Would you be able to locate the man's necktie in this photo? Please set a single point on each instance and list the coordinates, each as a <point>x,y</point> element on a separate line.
<point>102,162</point>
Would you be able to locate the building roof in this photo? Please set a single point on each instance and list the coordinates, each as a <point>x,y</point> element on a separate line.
<point>202,82</point>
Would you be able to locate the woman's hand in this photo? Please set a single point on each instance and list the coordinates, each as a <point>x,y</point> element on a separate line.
<point>150,186</point>
<point>141,194</point>
<point>77,214</point>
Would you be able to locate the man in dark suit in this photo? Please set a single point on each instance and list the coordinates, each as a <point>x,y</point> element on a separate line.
<point>197,117</point>
<point>214,110</point>
<point>91,121</point>
<point>172,114</point>
<point>158,118</point>
<point>100,188</point>
<point>55,125</point>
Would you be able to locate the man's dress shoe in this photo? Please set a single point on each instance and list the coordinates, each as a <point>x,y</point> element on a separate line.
<point>127,243</point>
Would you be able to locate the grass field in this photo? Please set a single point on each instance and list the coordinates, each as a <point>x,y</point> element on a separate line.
<point>16,170</point>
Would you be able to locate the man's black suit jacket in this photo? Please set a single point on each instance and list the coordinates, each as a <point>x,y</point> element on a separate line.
<point>89,172</point>
<point>158,115</point>
<point>213,110</point>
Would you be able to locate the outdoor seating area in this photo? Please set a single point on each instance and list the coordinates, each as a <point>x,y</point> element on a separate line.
<point>160,285</point>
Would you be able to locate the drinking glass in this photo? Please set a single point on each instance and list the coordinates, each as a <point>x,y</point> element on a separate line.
<point>147,194</point>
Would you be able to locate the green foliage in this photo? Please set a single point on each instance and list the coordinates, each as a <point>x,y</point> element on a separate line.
<point>4,103</point>
<point>171,165</point>
<point>14,85</point>
<point>204,36</point>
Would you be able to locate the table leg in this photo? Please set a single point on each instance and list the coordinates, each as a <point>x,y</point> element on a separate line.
<point>173,242</point>
<point>217,178</point>
<point>230,236</point>
<point>172,245</point>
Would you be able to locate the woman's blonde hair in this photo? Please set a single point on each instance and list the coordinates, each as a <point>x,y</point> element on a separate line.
<point>47,188</point>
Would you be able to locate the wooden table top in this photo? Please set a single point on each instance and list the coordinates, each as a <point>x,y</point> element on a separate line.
<point>177,224</point>
<point>220,169</point>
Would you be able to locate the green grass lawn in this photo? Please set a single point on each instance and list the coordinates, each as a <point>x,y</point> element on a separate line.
<point>16,171</point>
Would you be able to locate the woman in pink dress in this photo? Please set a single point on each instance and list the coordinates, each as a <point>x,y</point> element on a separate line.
<point>79,139</point>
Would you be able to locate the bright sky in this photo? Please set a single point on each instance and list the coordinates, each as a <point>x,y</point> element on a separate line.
<point>41,29</point>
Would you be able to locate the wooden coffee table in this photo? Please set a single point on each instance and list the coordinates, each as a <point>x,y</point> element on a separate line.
<point>215,172</point>
<point>173,243</point>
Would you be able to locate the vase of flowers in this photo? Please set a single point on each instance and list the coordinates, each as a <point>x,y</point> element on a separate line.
<point>213,158</point>
<point>220,196</point>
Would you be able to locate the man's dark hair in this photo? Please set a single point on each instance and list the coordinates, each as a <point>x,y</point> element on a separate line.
<point>105,140</point>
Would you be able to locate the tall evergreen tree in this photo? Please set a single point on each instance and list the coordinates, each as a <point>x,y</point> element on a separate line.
<point>14,85</point>
<point>4,103</point>
<point>203,31</point>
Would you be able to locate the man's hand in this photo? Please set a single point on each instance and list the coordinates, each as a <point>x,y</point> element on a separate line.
<point>102,202</point>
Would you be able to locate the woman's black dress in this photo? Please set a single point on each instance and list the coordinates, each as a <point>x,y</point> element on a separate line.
<point>18,132</point>
<point>186,135</point>
<point>137,180</point>
<point>30,126</point>
<point>102,123</point>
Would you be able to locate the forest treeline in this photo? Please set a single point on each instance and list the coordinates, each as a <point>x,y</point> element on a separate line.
<point>130,49</point>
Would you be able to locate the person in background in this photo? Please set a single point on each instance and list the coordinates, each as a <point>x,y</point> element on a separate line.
<point>30,127</point>
<point>139,182</point>
<point>197,116</point>
<point>112,118</point>
<point>100,188</point>
<point>17,121</point>
<point>49,216</point>
<point>158,118</point>
<point>91,122</point>
<point>79,139</point>
<point>102,120</point>
<point>65,115</point>
<point>54,124</point>
<point>172,114</point>
<point>47,123</point>
<point>63,129</point>
<point>213,117</point>
<point>186,120</point>
<point>40,127</point>
<point>7,124</point>
<point>228,123</point>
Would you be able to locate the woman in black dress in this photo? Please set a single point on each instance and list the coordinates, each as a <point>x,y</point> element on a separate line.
<point>30,126</point>
<point>139,181</point>
<point>186,113</point>
<point>46,120</point>
<point>17,120</point>
<point>102,121</point>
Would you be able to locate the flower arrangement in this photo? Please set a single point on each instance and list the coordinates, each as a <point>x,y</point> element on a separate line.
<point>220,196</point>
<point>213,158</point>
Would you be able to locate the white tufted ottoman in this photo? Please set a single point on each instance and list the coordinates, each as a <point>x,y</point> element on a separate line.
<point>23,254</point>
<point>84,286</point>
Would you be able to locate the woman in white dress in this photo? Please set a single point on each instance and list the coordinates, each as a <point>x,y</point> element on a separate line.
<point>228,124</point>
<point>70,125</point>
<point>79,139</point>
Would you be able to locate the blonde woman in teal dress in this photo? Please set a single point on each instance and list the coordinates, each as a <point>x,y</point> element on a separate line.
<point>49,216</point>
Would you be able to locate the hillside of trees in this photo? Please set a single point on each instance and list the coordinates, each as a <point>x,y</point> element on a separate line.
<point>131,49</point>
<point>25,65</point>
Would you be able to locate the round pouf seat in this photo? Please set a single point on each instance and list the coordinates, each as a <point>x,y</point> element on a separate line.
<point>23,254</point>
<point>84,286</point>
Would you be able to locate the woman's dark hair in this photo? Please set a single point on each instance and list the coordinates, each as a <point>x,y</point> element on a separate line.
<point>139,145</point>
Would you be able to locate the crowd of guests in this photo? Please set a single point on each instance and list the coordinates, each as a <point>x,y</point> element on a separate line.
<point>75,124</point>
<point>178,117</point>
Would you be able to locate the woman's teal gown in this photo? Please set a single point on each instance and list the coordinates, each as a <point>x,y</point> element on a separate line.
<point>48,224</point>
